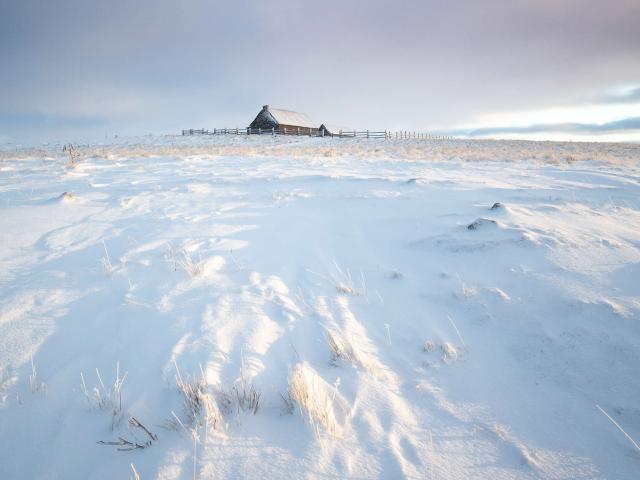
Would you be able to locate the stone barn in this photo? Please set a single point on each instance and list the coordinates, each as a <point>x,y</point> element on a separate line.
<point>293,122</point>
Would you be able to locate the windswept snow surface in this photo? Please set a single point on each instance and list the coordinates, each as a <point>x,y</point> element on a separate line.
<point>320,308</point>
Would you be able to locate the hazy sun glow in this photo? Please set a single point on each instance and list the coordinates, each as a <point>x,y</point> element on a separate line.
<point>565,114</point>
<point>588,120</point>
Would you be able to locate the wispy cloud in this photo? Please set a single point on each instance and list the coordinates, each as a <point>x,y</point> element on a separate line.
<point>627,95</point>
<point>624,125</point>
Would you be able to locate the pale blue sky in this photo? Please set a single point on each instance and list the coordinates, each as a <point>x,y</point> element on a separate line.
<point>81,68</point>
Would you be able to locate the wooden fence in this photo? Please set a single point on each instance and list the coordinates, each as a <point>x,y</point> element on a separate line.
<point>386,134</point>
<point>405,134</point>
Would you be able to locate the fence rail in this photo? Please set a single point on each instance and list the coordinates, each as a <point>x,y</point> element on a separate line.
<point>385,134</point>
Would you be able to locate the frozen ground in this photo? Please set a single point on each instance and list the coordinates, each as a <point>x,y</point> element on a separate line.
<point>327,309</point>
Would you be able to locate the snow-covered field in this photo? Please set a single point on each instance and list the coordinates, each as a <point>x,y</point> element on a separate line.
<point>316,308</point>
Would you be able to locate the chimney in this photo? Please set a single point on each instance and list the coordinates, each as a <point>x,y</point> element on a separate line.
<point>265,107</point>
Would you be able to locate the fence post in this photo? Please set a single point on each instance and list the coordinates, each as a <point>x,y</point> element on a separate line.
<point>367,133</point>
<point>259,131</point>
<point>273,131</point>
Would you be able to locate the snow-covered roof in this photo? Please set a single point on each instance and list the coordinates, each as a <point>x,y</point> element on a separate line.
<point>287,117</point>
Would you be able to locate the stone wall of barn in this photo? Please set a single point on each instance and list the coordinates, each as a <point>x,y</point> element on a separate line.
<point>264,120</point>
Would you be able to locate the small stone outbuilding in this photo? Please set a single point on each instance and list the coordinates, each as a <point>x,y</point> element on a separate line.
<point>328,130</point>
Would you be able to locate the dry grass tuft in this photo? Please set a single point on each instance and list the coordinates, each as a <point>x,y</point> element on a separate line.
<point>315,399</point>
<point>429,347</point>
<point>106,399</point>
<point>205,404</point>
<point>288,404</point>
<point>73,155</point>
<point>341,348</point>
<point>105,261</point>
<point>126,445</point>
<point>246,396</point>
<point>449,352</point>
<point>348,350</point>
<point>345,283</point>
<point>199,405</point>
<point>35,385</point>
<point>171,257</point>
<point>189,265</point>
